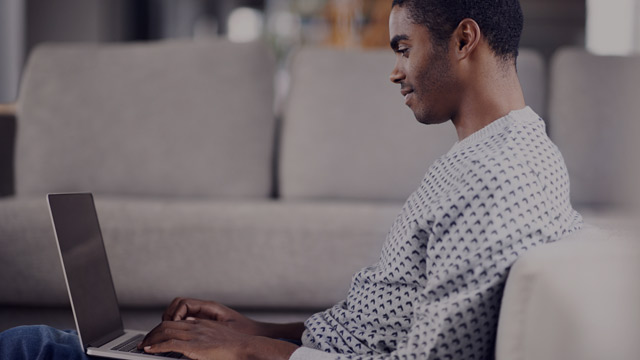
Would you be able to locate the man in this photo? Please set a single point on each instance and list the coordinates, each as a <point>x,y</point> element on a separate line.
<point>502,189</point>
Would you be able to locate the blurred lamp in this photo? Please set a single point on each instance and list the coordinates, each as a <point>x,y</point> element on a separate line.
<point>245,24</point>
<point>613,26</point>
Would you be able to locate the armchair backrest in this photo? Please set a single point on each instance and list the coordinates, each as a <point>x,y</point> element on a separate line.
<point>173,119</point>
<point>574,299</point>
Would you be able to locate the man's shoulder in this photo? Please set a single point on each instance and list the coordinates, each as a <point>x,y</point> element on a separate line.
<point>519,146</point>
<point>513,151</point>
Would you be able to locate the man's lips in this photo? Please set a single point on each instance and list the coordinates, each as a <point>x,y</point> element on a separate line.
<point>407,94</point>
<point>406,91</point>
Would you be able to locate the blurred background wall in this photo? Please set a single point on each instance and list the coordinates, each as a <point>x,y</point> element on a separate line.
<point>12,45</point>
<point>605,26</point>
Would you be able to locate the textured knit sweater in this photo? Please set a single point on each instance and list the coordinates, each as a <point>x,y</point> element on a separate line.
<point>435,292</point>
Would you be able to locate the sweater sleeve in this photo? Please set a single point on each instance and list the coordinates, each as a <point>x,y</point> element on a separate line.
<point>477,232</point>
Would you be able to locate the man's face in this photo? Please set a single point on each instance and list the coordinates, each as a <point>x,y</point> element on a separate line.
<point>422,69</point>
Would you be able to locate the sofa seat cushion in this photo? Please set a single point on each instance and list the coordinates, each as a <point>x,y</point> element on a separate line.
<point>133,318</point>
<point>248,254</point>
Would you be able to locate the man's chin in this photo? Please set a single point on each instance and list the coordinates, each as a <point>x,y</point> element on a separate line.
<point>430,119</point>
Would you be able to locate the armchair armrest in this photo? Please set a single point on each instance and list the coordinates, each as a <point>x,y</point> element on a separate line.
<point>7,148</point>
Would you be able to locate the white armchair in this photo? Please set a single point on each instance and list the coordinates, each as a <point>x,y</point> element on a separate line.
<point>578,298</point>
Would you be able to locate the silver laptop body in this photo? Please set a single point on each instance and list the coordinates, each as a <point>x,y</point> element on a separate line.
<point>89,282</point>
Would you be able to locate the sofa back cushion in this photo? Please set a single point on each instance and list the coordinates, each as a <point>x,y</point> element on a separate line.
<point>532,73</point>
<point>347,133</point>
<point>595,121</point>
<point>157,119</point>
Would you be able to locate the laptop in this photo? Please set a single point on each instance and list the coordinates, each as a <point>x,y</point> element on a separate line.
<point>88,277</point>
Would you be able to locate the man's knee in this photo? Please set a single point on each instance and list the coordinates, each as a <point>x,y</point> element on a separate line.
<point>39,342</point>
<point>20,342</point>
<point>21,334</point>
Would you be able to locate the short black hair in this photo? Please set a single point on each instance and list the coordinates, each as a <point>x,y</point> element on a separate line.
<point>500,21</point>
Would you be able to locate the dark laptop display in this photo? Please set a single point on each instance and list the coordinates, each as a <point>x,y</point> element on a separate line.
<point>89,281</point>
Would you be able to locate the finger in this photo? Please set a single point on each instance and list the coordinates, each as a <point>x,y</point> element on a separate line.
<point>169,334</point>
<point>168,313</point>
<point>171,345</point>
<point>167,330</point>
<point>187,308</point>
<point>180,311</point>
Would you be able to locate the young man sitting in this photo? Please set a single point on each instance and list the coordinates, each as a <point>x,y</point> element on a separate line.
<point>435,292</point>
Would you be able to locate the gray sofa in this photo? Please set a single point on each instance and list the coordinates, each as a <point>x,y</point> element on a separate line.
<point>203,191</point>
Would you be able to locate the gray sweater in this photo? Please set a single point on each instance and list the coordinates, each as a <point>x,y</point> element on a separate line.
<point>435,292</point>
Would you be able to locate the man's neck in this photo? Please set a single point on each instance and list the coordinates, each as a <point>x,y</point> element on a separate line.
<point>488,100</point>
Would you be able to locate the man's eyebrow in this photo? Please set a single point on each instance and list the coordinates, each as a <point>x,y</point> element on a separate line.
<point>396,39</point>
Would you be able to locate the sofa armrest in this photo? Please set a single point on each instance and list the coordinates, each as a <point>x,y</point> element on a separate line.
<point>7,148</point>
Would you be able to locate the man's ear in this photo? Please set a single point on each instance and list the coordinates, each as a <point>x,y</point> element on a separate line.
<point>466,38</point>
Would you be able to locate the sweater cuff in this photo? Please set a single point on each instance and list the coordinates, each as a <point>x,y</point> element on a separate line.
<point>305,353</point>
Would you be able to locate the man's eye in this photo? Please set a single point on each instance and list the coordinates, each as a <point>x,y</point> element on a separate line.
<point>404,52</point>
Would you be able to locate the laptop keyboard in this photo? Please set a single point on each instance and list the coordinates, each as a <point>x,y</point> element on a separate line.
<point>131,346</point>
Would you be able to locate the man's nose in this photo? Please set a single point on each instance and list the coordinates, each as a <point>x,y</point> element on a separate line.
<point>396,75</point>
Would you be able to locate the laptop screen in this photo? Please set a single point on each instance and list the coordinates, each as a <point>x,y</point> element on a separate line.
<point>86,267</point>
